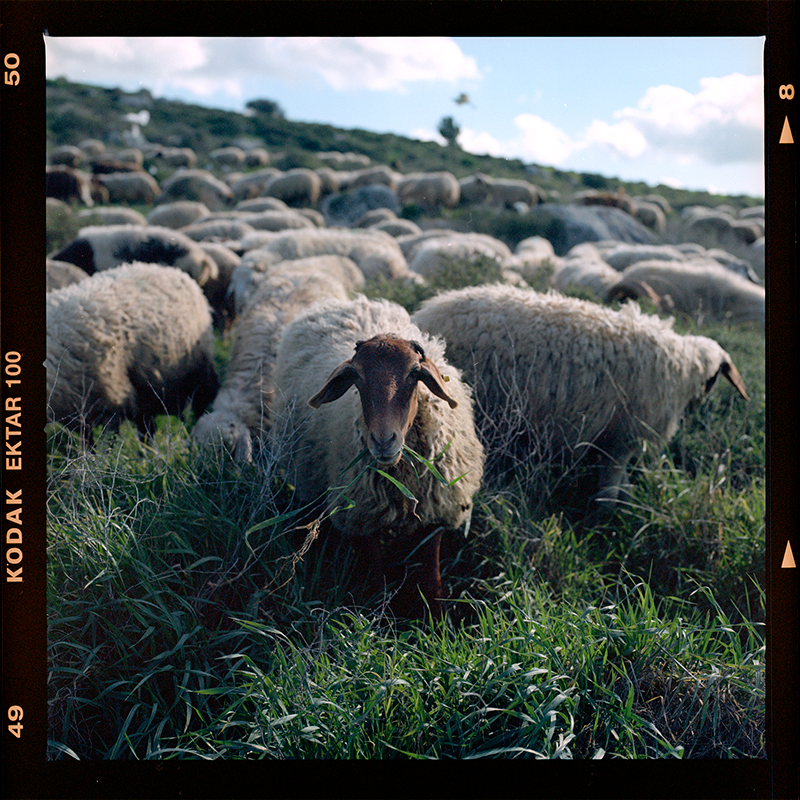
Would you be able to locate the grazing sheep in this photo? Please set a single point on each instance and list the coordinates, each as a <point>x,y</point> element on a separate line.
<point>556,377</point>
<point>701,290</point>
<point>296,187</point>
<point>256,265</point>
<point>475,189</point>
<point>66,155</point>
<point>505,192</point>
<point>256,157</point>
<point>595,275</point>
<point>177,157</point>
<point>61,274</point>
<point>130,343</point>
<point>401,399</point>
<point>432,254</point>
<point>375,253</point>
<point>130,187</point>
<point>119,215</point>
<point>216,289</point>
<point>430,190</point>
<point>252,184</point>
<point>105,246</point>
<point>196,184</point>
<point>178,214</point>
<point>238,417</point>
<point>69,185</point>
<point>227,156</point>
<point>345,208</point>
<point>217,229</point>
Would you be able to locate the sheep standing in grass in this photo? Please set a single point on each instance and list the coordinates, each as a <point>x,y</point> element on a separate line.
<point>238,417</point>
<point>701,290</point>
<point>554,375</point>
<point>129,343</point>
<point>401,398</point>
<point>101,247</point>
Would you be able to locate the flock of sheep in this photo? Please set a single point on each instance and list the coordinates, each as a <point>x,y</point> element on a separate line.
<point>318,373</point>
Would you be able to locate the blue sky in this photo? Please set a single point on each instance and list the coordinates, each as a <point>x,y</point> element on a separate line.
<point>685,111</point>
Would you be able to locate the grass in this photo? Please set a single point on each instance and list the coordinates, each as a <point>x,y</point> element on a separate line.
<point>181,626</point>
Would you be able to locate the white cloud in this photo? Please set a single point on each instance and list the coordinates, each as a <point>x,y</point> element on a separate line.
<point>722,123</point>
<point>208,65</point>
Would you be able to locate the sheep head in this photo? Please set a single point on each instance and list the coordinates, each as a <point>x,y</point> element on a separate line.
<point>386,371</point>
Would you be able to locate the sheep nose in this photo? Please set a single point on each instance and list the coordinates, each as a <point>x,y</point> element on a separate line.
<point>384,449</point>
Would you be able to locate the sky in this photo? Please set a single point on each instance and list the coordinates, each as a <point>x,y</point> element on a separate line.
<point>680,111</point>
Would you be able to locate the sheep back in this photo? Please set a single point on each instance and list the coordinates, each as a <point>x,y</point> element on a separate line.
<point>129,343</point>
<point>572,370</point>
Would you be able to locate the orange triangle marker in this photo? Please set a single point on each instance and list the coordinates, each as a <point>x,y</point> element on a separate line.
<point>788,558</point>
<point>786,133</point>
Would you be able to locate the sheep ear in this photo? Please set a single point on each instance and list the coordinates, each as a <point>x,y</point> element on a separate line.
<point>432,378</point>
<point>340,380</point>
<point>732,374</point>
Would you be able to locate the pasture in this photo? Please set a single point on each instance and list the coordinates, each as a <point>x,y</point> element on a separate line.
<point>188,618</point>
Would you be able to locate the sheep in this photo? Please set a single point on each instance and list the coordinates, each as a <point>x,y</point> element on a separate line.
<point>217,229</point>
<point>252,184</point>
<point>102,247</point>
<point>701,290</point>
<point>432,255</point>
<point>66,155</point>
<point>129,343</point>
<point>557,379</point>
<point>178,214</point>
<point>595,275</point>
<point>256,157</point>
<point>177,157</point>
<point>296,187</point>
<point>216,289</point>
<point>61,274</point>
<point>238,417</point>
<point>196,184</point>
<point>227,156</point>
<point>402,399</point>
<point>430,190</point>
<point>131,187</point>
<point>504,192</point>
<point>69,185</point>
<point>375,253</point>
<point>118,215</point>
<point>256,265</point>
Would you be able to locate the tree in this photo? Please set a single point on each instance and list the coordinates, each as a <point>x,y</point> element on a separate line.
<point>449,129</point>
<point>267,107</point>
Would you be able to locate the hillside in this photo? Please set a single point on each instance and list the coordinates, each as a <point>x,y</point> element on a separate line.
<point>77,111</point>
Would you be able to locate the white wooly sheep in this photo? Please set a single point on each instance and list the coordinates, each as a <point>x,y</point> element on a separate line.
<point>256,265</point>
<point>374,252</point>
<point>238,416</point>
<point>227,156</point>
<point>288,219</point>
<point>506,192</point>
<point>296,187</point>
<point>701,290</point>
<point>429,190</point>
<point>177,157</point>
<point>61,274</point>
<point>251,185</point>
<point>558,377</point>
<point>623,255</point>
<point>380,174</point>
<point>178,214</point>
<point>432,255</point>
<point>129,343</point>
<point>102,247</point>
<point>111,216</point>
<point>198,185</point>
<point>130,187</point>
<point>595,275</point>
<point>401,399</point>
<point>217,229</point>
